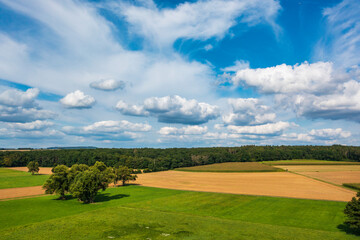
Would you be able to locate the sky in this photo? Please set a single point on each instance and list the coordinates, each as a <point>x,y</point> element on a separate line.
<point>152,73</point>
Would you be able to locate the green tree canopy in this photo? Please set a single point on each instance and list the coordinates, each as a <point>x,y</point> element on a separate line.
<point>87,184</point>
<point>33,167</point>
<point>58,181</point>
<point>352,211</point>
<point>123,174</point>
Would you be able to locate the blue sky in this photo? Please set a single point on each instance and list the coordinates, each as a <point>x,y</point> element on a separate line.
<point>179,73</point>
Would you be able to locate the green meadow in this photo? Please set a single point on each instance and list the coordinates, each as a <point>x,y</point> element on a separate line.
<point>12,179</point>
<point>135,212</point>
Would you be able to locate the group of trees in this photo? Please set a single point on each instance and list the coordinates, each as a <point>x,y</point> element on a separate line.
<point>84,182</point>
<point>352,212</point>
<point>164,159</point>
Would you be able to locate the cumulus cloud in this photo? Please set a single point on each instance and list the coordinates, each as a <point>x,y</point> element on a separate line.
<point>31,126</point>
<point>316,77</point>
<point>110,130</point>
<point>329,133</point>
<point>20,106</point>
<point>131,110</point>
<point>172,109</point>
<point>117,126</point>
<point>189,130</point>
<point>265,129</point>
<point>248,111</point>
<point>108,85</point>
<point>342,104</point>
<point>199,20</point>
<point>13,97</point>
<point>326,134</point>
<point>78,100</point>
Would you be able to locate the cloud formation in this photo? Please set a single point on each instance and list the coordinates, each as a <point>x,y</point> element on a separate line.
<point>108,85</point>
<point>199,20</point>
<point>248,111</point>
<point>189,130</point>
<point>315,77</point>
<point>265,129</point>
<point>172,109</point>
<point>20,106</point>
<point>78,100</point>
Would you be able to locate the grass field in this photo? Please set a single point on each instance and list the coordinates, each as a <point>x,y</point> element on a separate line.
<point>308,162</point>
<point>13,179</point>
<point>136,212</point>
<point>232,167</point>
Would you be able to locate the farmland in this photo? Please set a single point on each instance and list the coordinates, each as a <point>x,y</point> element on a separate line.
<point>232,167</point>
<point>282,184</point>
<point>13,179</point>
<point>309,162</point>
<point>136,212</point>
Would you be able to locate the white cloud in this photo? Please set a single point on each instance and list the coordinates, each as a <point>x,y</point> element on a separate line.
<point>329,133</point>
<point>31,126</point>
<point>200,20</point>
<point>341,42</point>
<point>14,97</point>
<point>248,111</point>
<point>265,129</point>
<point>131,110</point>
<point>108,85</point>
<point>117,126</point>
<point>20,106</point>
<point>172,109</point>
<point>315,77</point>
<point>78,99</point>
<point>189,130</point>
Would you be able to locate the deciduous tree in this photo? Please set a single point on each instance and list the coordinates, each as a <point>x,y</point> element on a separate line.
<point>58,182</point>
<point>352,211</point>
<point>33,167</point>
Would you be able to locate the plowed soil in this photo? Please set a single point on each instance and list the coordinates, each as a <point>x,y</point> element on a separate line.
<point>281,184</point>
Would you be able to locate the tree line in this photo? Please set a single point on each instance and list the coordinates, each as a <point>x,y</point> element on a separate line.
<point>152,159</point>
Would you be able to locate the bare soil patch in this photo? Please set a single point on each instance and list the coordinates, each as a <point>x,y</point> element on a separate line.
<point>320,168</point>
<point>281,184</point>
<point>339,177</point>
<point>43,170</point>
<point>20,192</point>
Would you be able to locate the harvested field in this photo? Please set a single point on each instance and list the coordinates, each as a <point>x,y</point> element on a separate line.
<point>20,192</point>
<point>43,170</point>
<point>320,168</point>
<point>232,167</point>
<point>339,177</point>
<point>308,162</point>
<point>282,184</point>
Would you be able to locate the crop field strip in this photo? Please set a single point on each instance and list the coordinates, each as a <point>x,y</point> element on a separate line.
<point>136,212</point>
<point>309,162</point>
<point>232,167</point>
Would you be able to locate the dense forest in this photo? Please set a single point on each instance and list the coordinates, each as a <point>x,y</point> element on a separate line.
<point>163,159</point>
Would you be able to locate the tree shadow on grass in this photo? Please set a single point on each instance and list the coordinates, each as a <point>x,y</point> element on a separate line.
<point>104,197</point>
<point>67,197</point>
<point>345,228</point>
